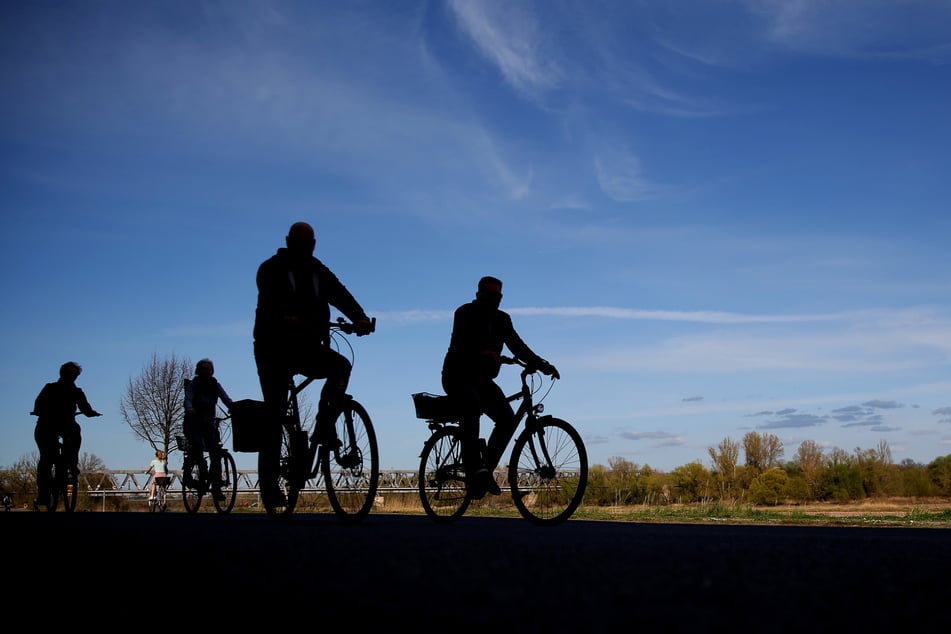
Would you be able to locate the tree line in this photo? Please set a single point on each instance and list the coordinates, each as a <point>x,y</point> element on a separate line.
<point>763,478</point>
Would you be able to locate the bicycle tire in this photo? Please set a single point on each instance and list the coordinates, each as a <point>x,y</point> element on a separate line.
<point>442,482</point>
<point>70,492</point>
<point>543,456</point>
<point>57,489</point>
<point>229,482</point>
<point>352,473</point>
<point>293,455</point>
<point>62,488</point>
<point>192,484</point>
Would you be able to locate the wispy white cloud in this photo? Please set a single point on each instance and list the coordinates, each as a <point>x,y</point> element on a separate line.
<point>511,39</point>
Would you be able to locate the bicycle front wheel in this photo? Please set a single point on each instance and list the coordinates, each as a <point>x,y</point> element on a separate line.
<point>228,484</point>
<point>442,478</point>
<point>192,484</point>
<point>352,471</point>
<point>548,472</point>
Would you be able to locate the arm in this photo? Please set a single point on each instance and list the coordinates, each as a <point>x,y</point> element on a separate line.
<point>84,405</point>
<point>189,395</point>
<point>521,350</point>
<point>224,397</point>
<point>340,298</point>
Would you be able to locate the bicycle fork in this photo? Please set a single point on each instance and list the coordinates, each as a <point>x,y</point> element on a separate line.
<point>539,450</point>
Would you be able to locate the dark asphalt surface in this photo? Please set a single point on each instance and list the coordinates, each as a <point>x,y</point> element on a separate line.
<point>401,572</point>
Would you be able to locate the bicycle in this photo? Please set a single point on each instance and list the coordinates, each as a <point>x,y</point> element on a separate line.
<point>64,483</point>
<point>197,477</point>
<point>160,501</point>
<point>547,470</point>
<point>349,463</point>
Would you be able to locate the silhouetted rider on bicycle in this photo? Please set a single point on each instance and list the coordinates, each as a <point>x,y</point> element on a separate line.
<point>479,330</point>
<point>55,408</point>
<point>202,394</point>
<point>292,336</point>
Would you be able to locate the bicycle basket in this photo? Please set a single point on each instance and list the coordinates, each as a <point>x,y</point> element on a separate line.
<point>432,406</point>
<point>182,443</point>
<point>247,418</point>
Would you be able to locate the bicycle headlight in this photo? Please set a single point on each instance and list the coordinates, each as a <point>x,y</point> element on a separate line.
<point>539,408</point>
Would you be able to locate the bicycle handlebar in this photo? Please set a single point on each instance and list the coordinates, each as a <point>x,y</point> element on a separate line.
<point>350,328</point>
<point>526,368</point>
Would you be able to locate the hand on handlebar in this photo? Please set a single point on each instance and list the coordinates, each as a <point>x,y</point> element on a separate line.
<point>363,327</point>
<point>550,370</point>
<point>544,368</point>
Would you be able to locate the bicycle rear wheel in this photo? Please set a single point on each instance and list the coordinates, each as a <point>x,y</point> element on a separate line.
<point>442,481</point>
<point>352,472</point>
<point>158,502</point>
<point>70,492</point>
<point>295,462</point>
<point>229,482</point>
<point>193,483</point>
<point>548,472</point>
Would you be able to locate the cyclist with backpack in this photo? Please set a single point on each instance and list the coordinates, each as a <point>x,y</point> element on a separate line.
<point>202,394</point>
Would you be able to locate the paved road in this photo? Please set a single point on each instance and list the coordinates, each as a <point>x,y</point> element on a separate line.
<point>399,573</point>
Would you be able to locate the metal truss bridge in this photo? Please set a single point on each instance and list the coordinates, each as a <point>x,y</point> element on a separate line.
<point>133,484</point>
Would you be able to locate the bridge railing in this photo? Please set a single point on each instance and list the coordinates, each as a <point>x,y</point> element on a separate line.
<point>127,483</point>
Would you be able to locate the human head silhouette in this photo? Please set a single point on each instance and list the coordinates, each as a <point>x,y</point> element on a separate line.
<point>489,292</point>
<point>300,240</point>
<point>205,368</point>
<point>70,371</point>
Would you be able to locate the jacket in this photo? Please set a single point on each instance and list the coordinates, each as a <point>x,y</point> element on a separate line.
<point>305,290</point>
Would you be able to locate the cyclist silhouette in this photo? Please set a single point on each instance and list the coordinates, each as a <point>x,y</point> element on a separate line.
<point>471,364</point>
<point>202,394</point>
<point>291,336</point>
<point>55,408</point>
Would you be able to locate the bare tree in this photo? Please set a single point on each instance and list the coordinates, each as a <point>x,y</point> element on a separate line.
<point>152,405</point>
<point>724,458</point>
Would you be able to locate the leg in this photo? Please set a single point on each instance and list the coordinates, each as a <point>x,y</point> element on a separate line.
<point>274,377</point>
<point>47,445</point>
<point>466,400</point>
<point>72,440</point>
<point>328,364</point>
<point>470,400</point>
<point>499,410</point>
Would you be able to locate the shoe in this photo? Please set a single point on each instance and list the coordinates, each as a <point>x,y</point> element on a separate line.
<point>483,482</point>
<point>217,494</point>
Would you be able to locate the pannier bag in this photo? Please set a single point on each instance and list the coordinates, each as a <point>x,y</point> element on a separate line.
<point>433,406</point>
<point>247,419</point>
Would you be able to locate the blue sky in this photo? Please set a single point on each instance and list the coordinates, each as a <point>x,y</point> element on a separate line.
<point>712,217</point>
